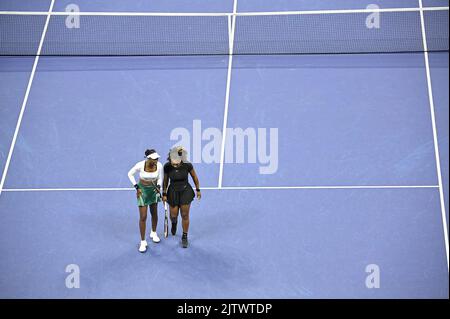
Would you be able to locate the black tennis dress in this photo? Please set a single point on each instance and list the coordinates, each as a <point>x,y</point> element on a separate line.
<point>180,192</point>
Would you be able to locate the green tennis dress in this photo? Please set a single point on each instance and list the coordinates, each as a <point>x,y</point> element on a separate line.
<point>149,195</point>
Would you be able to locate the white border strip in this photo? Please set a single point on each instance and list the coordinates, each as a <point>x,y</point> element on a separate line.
<point>435,138</point>
<point>219,14</point>
<point>228,188</point>
<point>25,99</point>
<point>227,91</point>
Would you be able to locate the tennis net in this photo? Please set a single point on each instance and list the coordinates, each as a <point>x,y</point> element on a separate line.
<point>301,32</point>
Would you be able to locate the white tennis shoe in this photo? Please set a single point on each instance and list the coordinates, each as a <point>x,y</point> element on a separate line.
<point>143,246</point>
<point>154,237</point>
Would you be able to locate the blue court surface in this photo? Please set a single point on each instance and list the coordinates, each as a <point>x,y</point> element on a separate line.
<point>361,176</point>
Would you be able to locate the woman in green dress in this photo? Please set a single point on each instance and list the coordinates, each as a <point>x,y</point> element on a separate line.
<point>148,193</point>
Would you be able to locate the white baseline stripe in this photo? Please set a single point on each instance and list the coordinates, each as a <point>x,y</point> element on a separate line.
<point>435,137</point>
<point>226,188</point>
<point>25,99</point>
<point>223,14</point>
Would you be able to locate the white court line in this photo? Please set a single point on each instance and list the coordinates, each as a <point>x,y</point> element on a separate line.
<point>323,187</point>
<point>25,99</point>
<point>226,188</point>
<point>435,138</point>
<point>227,91</point>
<point>224,14</point>
<point>318,12</point>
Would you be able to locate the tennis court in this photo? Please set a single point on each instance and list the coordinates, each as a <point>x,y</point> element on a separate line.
<point>354,127</point>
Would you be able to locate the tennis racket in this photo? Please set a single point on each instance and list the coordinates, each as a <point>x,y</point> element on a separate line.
<point>156,187</point>
<point>166,221</point>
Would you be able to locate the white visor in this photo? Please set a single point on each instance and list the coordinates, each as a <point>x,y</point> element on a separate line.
<point>153,156</point>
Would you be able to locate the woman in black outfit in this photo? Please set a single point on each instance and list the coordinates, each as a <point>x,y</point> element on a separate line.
<point>179,194</point>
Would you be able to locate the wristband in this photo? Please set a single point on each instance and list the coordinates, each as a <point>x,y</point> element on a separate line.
<point>197,189</point>
<point>164,194</point>
<point>136,186</point>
